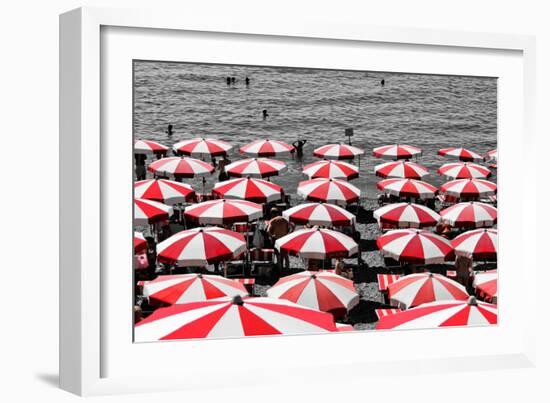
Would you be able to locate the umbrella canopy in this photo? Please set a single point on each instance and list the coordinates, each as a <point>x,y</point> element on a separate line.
<point>266,148</point>
<point>164,191</point>
<point>486,284</point>
<point>317,243</point>
<point>407,188</point>
<point>464,170</point>
<point>140,243</point>
<point>232,317</point>
<point>461,153</point>
<point>182,288</point>
<point>342,327</point>
<point>149,212</point>
<point>338,152</point>
<point>201,146</point>
<point>421,288</point>
<point>326,215</point>
<point>478,244</point>
<point>400,169</point>
<point>470,215</point>
<point>469,188</point>
<point>149,147</point>
<point>223,211</point>
<point>256,168</point>
<point>201,247</point>
<point>322,291</point>
<point>415,246</point>
<point>492,155</point>
<point>181,167</point>
<point>396,152</point>
<point>442,314</point>
<point>331,169</point>
<point>329,190</point>
<point>406,215</point>
<point>255,190</point>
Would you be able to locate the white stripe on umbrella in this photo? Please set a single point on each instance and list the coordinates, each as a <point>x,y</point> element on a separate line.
<point>140,243</point>
<point>415,246</point>
<point>326,215</point>
<point>469,188</point>
<point>232,317</point>
<point>464,170</point>
<point>329,190</point>
<point>338,152</point>
<point>164,191</point>
<point>202,146</point>
<point>223,211</point>
<point>331,169</point>
<point>317,243</point>
<point>406,187</point>
<point>149,147</point>
<point>396,151</point>
<point>462,154</point>
<point>256,168</point>
<point>442,314</point>
<point>478,244</point>
<point>181,167</point>
<point>149,212</point>
<point>406,215</point>
<point>255,190</point>
<point>266,148</point>
<point>400,169</point>
<point>470,215</point>
<point>486,283</point>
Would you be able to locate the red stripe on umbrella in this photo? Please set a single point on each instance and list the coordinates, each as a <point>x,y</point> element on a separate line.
<point>140,242</point>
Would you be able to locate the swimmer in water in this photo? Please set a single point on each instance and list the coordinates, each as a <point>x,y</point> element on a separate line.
<point>299,145</point>
<point>170,130</point>
<point>247,81</point>
<point>233,80</point>
<point>383,82</point>
<point>228,80</point>
<point>264,114</point>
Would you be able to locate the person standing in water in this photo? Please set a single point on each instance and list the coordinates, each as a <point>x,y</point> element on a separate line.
<point>170,130</point>
<point>233,80</point>
<point>383,82</point>
<point>247,81</point>
<point>299,146</point>
<point>228,80</point>
<point>140,166</point>
<point>264,114</point>
<point>223,176</point>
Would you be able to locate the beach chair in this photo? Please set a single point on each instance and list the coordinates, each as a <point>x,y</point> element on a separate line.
<point>380,313</point>
<point>244,228</point>
<point>261,261</point>
<point>236,266</point>
<point>384,280</point>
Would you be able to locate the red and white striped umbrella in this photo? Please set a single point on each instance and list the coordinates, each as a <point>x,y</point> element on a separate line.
<point>326,215</point>
<point>338,152</point>
<point>201,146</point>
<point>201,247</point>
<point>322,291</point>
<point>400,169</point>
<point>469,188</point>
<point>492,155</point>
<point>149,147</point>
<point>267,148</point>
<point>140,243</point>
<point>149,212</point>
<point>232,317</point>
<point>256,168</point>
<point>329,190</point>
<point>255,190</point>
<point>462,154</point>
<point>407,188</point>
<point>223,211</point>
<point>164,191</point>
<point>486,284</point>
<point>470,215</point>
<point>181,167</point>
<point>331,169</point>
<point>317,243</point>
<point>182,288</point>
<point>406,215</point>
<point>421,288</point>
<point>478,244</point>
<point>464,170</point>
<point>442,314</point>
<point>396,152</point>
<point>415,246</point>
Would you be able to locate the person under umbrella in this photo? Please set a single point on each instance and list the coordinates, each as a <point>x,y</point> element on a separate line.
<point>277,228</point>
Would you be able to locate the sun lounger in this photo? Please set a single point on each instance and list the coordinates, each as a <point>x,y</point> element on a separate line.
<point>384,280</point>
<point>380,313</point>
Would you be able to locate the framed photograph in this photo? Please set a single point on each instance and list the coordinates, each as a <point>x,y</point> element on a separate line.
<point>303,198</point>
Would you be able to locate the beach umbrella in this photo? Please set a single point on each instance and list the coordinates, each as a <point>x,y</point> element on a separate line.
<point>182,288</point>
<point>486,284</point>
<point>266,148</point>
<point>492,155</point>
<point>323,291</point>
<point>329,190</point>
<point>420,288</point>
<point>396,152</point>
<point>164,191</point>
<point>469,188</point>
<point>470,215</point>
<point>338,152</point>
<point>400,169</point>
<point>317,243</point>
<point>223,211</point>
<point>149,147</point>
<point>331,169</point>
<point>140,243</point>
<point>442,314</point>
<point>181,167</point>
<point>255,190</point>
<point>415,246</point>
<point>202,146</point>
<point>148,212</point>
<point>462,154</point>
<point>232,317</point>
<point>464,170</point>
<point>478,244</point>
<point>407,188</point>
<point>326,215</point>
<point>256,168</point>
<point>406,215</point>
<point>200,247</point>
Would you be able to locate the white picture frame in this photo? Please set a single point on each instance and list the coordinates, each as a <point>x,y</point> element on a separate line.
<point>96,43</point>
